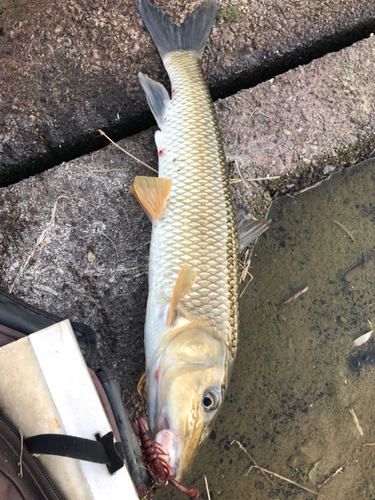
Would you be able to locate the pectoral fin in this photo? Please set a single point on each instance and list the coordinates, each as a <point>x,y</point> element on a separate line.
<point>249,229</point>
<point>151,193</point>
<point>141,386</point>
<point>185,280</point>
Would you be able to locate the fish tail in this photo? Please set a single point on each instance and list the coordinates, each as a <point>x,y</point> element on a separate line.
<point>191,35</point>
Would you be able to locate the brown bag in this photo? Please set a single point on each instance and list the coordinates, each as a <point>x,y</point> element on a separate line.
<point>21,475</point>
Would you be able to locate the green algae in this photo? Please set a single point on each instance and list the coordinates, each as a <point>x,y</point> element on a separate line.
<point>230,14</point>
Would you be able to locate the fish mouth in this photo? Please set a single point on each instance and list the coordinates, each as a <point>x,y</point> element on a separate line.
<point>170,445</point>
<point>177,446</point>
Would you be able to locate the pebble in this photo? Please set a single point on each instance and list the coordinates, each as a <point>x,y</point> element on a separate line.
<point>328,169</point>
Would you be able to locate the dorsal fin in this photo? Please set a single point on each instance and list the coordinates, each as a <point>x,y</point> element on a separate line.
<point>185,280</point>
<point>151,193</point>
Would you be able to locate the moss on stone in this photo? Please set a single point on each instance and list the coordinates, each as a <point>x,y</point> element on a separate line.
<point>230,14</point>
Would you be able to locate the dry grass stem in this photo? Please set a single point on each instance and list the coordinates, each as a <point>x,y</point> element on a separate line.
<point>245,265</point>
<point>21,454</point>
<point>254,462</point>
<point>245,268</point>
<point>253,113</point>
<point>114,246</point>
<point>266,471</point>
<point>309,187</point>
<point>368,444</point>
<point>239,173</point>
<point>123,150</point>
<point>344,229</point>
<point>261,112</point>
<point>41,241</point>
<point>298,294</point>
<point>45,242</point>
<point>340,469</point>
<point>46,289</point>
<point>121,269</point>
<point>250,469</point>
<point>250,280</point>
<point>208,491</point>
<point>356,421</point>
<point>256,179</point>
<point>248,283</point>
<point>106,170</point>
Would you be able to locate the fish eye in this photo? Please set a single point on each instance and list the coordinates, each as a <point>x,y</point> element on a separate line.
<point>211,400</point>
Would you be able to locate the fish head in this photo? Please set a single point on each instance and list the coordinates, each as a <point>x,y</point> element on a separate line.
<point>185,389</point>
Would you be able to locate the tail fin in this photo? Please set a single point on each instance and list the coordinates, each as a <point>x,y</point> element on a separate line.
<point>191,35</point>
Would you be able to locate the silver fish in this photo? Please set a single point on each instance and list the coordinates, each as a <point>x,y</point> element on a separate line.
<point>192,311</point>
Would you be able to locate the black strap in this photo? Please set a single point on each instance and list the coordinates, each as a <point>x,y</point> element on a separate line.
<point>102,451</point>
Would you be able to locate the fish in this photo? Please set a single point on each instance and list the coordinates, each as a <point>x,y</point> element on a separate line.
<point>191,325</point>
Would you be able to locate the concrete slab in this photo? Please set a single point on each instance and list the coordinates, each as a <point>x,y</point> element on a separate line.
<point>81,241</point>
<point>68,68</point>
<point>303,123</point>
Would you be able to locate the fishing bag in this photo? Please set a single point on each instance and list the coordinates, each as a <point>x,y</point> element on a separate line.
<point>21,474</point>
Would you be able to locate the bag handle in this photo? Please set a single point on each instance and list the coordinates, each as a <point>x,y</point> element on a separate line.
<point>103,451</point>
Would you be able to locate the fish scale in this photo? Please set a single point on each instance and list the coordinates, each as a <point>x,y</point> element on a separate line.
<point>198,227</point>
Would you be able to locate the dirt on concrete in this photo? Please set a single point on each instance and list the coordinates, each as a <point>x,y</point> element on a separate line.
<point>68,68</point>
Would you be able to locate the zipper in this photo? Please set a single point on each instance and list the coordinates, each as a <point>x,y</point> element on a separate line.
<point>43,475</point>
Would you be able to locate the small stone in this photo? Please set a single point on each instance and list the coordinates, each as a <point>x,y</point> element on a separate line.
<point>267,196</point>
<point>259,485</point>
<point>327,169</point>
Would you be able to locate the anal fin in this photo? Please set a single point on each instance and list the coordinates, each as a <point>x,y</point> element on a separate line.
<point>151,193</point>
<point>185,280</point>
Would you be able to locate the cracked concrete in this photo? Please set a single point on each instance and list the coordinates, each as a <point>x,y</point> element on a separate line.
<point>69,68</point>
<point>304,123</point>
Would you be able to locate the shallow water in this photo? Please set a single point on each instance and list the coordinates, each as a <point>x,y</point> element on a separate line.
<point>297,372</point>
